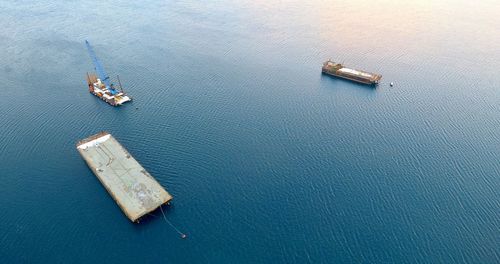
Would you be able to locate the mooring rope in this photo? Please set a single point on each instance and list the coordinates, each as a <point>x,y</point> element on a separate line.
<point>168,222</point>
<point>152,214</point>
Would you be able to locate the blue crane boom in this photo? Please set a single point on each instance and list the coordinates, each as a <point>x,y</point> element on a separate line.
<point>99,69</point>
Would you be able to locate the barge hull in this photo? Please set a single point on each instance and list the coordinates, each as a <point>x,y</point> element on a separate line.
<point>349,78</point>
<point>338,70</point>
<point>131,186</point>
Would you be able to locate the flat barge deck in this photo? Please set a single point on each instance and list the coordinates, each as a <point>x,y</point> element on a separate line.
<point>131,186</point>
<point>338,70</point>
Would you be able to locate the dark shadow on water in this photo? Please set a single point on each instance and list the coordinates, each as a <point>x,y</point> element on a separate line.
<point>156,215</point>
<point>326,79</point>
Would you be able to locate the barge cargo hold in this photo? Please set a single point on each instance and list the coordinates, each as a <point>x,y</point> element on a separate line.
<point>131,186</point>
<point>101,85</point>
<point>338,70</point>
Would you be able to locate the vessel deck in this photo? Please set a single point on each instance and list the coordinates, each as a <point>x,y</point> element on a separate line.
<point>131,186</point>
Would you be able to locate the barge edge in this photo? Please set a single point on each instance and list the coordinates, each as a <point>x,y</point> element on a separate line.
<point>135,191</point>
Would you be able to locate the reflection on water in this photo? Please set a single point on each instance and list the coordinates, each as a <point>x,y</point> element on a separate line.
<point>267,159</point>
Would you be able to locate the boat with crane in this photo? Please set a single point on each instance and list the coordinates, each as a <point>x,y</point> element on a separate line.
<point>101,86</point>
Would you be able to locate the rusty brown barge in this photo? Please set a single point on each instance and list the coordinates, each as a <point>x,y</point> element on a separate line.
<point>131,186</point>
<point>338,70</point>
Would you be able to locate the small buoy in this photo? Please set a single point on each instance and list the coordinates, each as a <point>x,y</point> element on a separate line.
<point>183,236</point>
<point>137,108</point>
<point>391,84</point>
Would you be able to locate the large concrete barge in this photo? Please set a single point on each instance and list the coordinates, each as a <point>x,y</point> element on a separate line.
<point>131,186</point>
<point>338,70</point>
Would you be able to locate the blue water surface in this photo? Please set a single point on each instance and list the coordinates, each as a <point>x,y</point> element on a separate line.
<point>268,161</point>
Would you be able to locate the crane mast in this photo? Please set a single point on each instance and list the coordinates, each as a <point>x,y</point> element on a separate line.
<point>103,76</point>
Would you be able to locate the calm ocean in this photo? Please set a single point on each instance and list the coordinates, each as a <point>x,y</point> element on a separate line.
<point>268,161</point>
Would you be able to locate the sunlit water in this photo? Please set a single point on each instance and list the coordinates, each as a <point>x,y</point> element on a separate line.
<point>268,161</point>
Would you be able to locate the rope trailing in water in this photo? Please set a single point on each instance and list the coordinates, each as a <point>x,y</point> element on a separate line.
<point>168,222</point>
